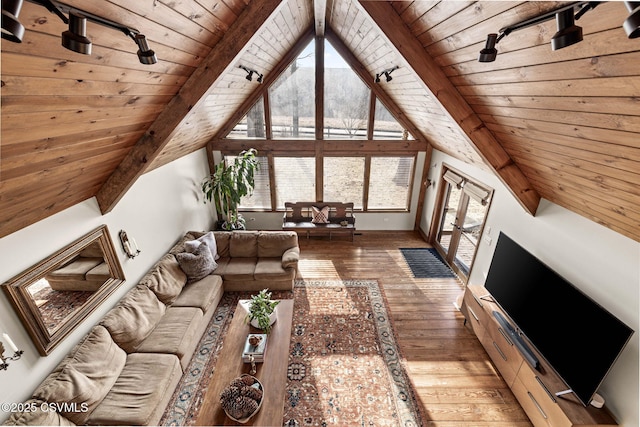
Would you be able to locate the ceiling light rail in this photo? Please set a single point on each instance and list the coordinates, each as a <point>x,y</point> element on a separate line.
<point>568,33</point>
<point>250,74</point>
<point>75,38</point>
<point>386,73</point>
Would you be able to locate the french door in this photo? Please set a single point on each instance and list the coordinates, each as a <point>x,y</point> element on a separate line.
<point>463,211</point>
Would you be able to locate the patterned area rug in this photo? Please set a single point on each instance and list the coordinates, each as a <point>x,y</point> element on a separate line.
<point>426,263</point>
<point>344,365</point>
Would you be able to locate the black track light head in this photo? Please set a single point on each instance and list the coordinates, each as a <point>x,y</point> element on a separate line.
<point>75,38</point>
<point>489,53</point>
<point>12,29</point>
<point>631,24</point>
<point>568,33</point>
<point>145,55</point>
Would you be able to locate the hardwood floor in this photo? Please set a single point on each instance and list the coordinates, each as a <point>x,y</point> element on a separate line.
<point>452,374</point>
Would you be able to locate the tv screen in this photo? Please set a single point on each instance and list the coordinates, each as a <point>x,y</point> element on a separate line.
<point>579,338</point>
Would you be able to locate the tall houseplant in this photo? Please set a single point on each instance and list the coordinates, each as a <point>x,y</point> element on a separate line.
<point>228,184</point>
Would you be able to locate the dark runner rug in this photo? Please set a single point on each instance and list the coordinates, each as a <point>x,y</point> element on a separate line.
<point>344,369</point>
<point>426,263</point>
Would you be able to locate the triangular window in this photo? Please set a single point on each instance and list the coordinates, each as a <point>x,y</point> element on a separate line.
<point>346,104</point>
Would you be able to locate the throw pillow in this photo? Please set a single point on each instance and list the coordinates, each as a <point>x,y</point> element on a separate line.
<point>209,239</point>
<point>320,216</point>
<point>197,265</point>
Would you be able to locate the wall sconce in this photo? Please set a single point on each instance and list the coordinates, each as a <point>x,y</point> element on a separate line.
<point>130,247</point>
<point>250,73</point>
<point>17,354</point>
<point>75,38</point>
<point>386,73</point>
<point>568,33</point>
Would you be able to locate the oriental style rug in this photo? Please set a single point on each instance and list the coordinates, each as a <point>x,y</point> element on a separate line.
<point>344,365</point>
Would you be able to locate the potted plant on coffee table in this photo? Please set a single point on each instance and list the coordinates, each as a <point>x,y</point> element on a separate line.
<point>261,310</point>
<point>228,184</point>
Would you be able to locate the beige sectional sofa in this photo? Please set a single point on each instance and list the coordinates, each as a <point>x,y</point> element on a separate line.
<point>125,370</point>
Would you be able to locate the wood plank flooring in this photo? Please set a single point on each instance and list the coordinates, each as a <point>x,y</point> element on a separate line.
<point>454,378</point>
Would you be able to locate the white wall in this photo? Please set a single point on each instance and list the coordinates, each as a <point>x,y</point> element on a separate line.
<point>603,264</point>
<point>160,207</point>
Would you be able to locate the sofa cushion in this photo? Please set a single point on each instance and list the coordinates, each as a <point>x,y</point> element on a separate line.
<point>36,416</point>
<point>291,257</point>
<point>275,243</point>
<point>271,268</point>
<point>179,246</point>
<point>141,393</point>
<point>320,215</point>
<point>134,317</point>
<point>222,242</point>
<point>175,334</point>
<point>203,294</point>
<point>243,244</point>
<point>198,264</point>
<point>85,375</point>
<point>240,269</point>
<point>208,238</point>
<point>166,279</point>
<point>99,273</point>
<point>76,269</point>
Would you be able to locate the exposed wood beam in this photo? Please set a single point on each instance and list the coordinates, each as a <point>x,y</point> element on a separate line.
<point>151,144</point>
<point>320,16</point>
<point>452,102</point>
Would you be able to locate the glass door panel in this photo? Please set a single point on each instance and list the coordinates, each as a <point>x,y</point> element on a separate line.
<point>449,215</point>
<point>470,234</point>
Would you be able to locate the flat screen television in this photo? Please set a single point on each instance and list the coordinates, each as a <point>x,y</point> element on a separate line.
<point>579,338</point>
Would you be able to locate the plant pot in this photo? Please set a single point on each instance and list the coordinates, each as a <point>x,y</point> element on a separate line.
<point>254,322</point>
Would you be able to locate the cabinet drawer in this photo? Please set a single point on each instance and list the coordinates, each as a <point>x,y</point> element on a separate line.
<point>475,308</point>
<point>537,399</point>
<point>502,351</point>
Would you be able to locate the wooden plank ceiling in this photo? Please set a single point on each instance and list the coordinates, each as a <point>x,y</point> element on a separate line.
<point>563,125</point>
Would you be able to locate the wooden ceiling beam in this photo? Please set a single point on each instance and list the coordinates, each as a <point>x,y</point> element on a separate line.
<point>320,16</point>
<point>151,144</point>
<point>452,102</point>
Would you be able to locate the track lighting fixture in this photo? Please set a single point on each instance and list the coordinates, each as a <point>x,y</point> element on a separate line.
<point>12,29</point>
<point>75,38</point>
<point>250,74</point>
<point>386,73</point>
<point>632,23</point>
<point>568,33</point>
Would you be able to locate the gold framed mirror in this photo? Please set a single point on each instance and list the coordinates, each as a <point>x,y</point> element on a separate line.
<point>54,296</point>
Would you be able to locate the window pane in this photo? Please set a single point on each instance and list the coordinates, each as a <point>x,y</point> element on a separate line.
<point>346,99</point>
<point>292,99</point>
<point>389,182</point>
<point>344,180</point>
<point>295,179</point>
<point>261,197</point>
<point>252,125</point>
<point>385,126</point>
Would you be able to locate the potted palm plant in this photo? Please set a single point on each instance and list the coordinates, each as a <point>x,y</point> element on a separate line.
<point>228,184</point>
<point>261,310</point>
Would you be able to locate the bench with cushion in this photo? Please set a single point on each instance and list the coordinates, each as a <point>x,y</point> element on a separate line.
<point>319,218</point>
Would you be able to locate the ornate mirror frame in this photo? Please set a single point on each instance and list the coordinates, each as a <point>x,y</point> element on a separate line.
<point>45,338</point>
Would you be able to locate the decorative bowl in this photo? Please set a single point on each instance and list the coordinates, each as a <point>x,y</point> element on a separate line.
<point>238,393</point>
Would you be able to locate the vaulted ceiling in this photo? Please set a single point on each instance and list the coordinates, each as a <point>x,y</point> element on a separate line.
<point>563,125</point>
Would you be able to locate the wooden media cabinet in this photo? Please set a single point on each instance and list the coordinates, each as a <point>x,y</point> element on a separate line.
<point>535,389</point>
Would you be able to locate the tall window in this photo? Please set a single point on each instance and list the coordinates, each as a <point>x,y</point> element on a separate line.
<point>346,99</point>
<point>252,124</point>
<point>344,180</point>
<point>261,197</point>
<point>390,182</point>
<point>295,179</point>
<point>292,100</point>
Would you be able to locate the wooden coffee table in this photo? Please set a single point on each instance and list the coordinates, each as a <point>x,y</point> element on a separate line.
<point>272,373</point>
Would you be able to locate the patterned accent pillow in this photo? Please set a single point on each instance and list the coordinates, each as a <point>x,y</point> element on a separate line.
<point>197,265</point>
<point>320,216</point>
